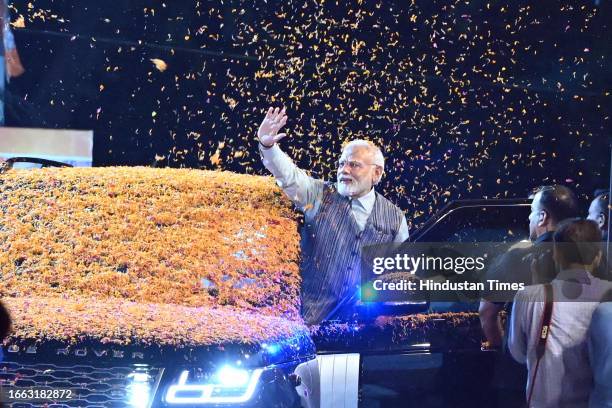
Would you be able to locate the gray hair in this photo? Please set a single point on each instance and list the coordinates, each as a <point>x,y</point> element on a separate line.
<point>379,159</point>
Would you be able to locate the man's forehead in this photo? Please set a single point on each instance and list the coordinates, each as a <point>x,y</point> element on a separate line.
<point>356,152</point>
<point>535,202</point>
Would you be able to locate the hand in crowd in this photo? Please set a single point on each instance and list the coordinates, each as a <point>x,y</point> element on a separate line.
<point>268,130</point>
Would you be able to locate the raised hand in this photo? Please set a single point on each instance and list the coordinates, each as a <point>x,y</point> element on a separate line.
<point>268,130</point>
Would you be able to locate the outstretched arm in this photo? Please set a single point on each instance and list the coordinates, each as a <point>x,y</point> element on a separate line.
<point>303,190</point>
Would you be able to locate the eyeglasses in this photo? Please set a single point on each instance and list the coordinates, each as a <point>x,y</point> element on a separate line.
<point>352,165</point>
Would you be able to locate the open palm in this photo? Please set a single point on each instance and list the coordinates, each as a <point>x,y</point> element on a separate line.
<point>268,130</point>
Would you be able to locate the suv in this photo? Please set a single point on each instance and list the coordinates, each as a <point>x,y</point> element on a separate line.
<point>135,287</point>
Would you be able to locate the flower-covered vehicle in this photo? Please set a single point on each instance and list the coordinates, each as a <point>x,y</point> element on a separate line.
<point>151,287</point>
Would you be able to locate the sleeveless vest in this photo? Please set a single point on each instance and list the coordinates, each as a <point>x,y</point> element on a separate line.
<point>331,250</point>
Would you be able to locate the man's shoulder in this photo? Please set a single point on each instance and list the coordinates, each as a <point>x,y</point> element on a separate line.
<point>522,254</point>
<point>518,251</point>
<point>386,202</point>
<point>517,256</point>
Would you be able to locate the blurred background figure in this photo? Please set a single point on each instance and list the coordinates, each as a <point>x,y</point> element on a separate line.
<point>598,211</point>
<point>5,325</point>
<point>10,64</point>
<point>600,354</point>
<point>558,364</point>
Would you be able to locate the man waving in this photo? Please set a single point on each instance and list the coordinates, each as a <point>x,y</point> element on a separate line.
<point>340,217</point>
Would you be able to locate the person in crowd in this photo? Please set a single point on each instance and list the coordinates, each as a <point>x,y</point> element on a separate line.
<point>340,217</point>
<point>10,63</point>
<point>600,333</point>
<point>598,211</point>
<point>558,368</point>
<point>526,263</point>
<point>600,355</point>
<point>533,263</point>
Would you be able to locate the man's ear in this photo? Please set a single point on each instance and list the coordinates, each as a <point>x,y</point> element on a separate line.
<point>601,220</point>
<point>378,173</point>
<point>543,218</point>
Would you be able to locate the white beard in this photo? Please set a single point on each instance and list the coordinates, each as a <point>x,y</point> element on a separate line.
<point>346,190</point>
<point>352,189</point>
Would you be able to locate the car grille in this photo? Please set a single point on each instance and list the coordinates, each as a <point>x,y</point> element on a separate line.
<point>91,386</point>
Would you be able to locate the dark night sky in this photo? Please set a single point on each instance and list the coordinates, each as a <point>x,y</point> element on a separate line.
<point>467,99</point>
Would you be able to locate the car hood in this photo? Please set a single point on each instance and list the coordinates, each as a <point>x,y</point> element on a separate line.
<point>122,322</point>
<point>140,255</point>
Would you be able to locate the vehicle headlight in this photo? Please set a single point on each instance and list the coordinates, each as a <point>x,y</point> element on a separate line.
<point>140,387</point>
<point>229,385</point>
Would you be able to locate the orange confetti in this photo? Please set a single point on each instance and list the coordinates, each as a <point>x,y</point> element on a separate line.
<point>159,64</point>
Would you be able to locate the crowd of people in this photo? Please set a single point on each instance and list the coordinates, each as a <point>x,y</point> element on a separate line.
<point>550,327</point>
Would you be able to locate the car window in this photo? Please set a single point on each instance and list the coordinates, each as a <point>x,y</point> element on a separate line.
<point>478,223</point>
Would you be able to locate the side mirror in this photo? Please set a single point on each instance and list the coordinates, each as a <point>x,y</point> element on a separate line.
<point>31,162</point>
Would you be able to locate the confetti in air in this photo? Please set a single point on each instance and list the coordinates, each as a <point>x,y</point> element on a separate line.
<point>159,64</point>
<point>467,99</point>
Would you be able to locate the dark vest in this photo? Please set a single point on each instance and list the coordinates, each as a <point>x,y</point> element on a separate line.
<point>331,250</point>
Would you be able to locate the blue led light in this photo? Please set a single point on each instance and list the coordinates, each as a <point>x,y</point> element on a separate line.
<point>228,378</point>
<point>271,348</point>
<point>233,377</point>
